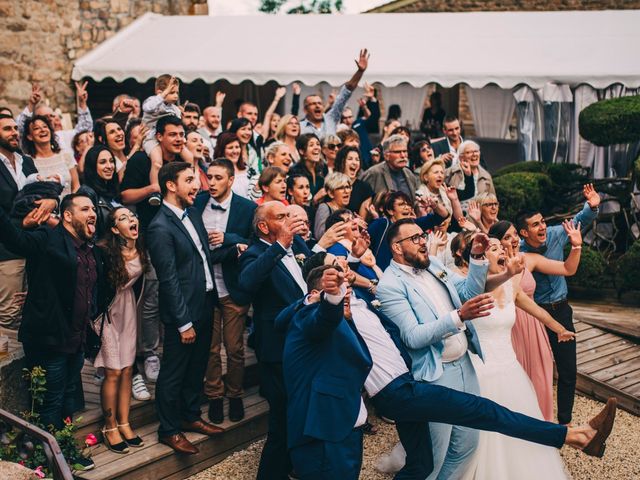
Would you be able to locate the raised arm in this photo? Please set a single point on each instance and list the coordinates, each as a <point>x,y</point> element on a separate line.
<point>280,92</point>
<point>539,263</point>
<point>85,121</point>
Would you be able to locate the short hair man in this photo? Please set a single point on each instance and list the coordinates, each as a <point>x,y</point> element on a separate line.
<point>394,173</point>
<point>448,146</point>
<point>187,295</point>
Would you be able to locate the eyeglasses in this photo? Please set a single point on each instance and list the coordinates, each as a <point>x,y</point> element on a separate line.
<point>399,152</point>
<point>333,146</point>
<point>415,238</point>
<point>491,204</point>
<point>124,216</point>
<point>426,149</point>
<point>344,187</point>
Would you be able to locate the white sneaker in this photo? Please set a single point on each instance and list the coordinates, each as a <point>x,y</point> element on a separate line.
<point>139,389</point>
<point>152,368</point>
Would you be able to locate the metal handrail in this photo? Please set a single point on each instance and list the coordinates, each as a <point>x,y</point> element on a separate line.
<point>52,450</point>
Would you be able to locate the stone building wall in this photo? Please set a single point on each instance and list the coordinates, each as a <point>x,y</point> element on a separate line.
<point>40,40</point>
<point>412,6</point>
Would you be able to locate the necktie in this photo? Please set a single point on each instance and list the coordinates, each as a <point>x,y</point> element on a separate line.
<point>185,214</point>
<point>215,206</point>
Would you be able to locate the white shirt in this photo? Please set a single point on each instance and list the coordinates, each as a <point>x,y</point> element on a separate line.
<point>17,174</point>
<point>388,363</point>
<point>186,221</point>
<point>455,346</point>
<point>292,266</point>
<point>217,220</point>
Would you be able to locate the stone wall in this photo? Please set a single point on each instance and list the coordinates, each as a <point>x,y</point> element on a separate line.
<point>412,6</point>
<point>40,40</point>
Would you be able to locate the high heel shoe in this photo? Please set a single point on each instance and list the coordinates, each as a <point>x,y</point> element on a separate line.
<point>120,447</point>
<point>135,442</point>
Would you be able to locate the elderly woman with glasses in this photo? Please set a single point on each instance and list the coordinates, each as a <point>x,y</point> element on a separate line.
<point>338,187</point>
<point>483,211</point>
<point>330,146</point>
<point>469,178</point>
<point>433,186</point>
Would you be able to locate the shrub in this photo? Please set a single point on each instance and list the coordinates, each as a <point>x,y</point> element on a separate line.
<point>611,121</point>
<point>534,167</point>
<point>592,272</point>
<point>521,190</point>
<point>628,269</point>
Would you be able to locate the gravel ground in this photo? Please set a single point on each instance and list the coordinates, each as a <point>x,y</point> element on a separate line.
<point>621,460</point>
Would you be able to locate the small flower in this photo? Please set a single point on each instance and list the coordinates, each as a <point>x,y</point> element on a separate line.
<point>376,304</point>
<point>442,275</point>
<point>21,462</point>
<point>67,421</point>
<point>39,473</point>
<point>300,258</point>
<point>90,440</point>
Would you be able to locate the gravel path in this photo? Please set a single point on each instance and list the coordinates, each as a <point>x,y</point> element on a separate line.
<point>621,460</point>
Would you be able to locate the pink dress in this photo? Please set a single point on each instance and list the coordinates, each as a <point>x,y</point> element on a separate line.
<point>531,344</point>
<point>118,349</point>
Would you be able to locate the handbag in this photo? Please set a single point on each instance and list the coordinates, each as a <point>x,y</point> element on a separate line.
<point>93,341</point>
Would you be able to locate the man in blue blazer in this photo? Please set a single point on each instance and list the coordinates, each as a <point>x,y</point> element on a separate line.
<point>322,443</point>
<point>177,242</point>
<point>431,305</point>
<point>271,277</point>
<point>325,363</point>
<point>228,219</point>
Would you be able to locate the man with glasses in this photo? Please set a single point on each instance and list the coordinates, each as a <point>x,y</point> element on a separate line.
<point>394,173</point>
<point>432,306</point>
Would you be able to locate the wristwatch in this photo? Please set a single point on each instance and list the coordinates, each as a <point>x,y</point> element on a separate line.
<point>477,256</point>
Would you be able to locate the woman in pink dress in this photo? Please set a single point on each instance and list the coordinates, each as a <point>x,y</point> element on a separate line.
<point>125,263</point>
<point>528,335</point>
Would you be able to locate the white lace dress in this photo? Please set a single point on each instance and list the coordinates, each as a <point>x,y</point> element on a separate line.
<point>503,380</point>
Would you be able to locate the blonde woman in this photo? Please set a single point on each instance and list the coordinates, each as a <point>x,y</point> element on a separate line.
<point>288,132</point>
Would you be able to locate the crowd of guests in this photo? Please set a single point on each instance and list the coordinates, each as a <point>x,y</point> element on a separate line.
<point>365,270</point>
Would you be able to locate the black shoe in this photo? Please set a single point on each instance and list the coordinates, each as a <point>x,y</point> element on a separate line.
<point>216,412</point>
<point>236,409</point>
<point>83,464</point>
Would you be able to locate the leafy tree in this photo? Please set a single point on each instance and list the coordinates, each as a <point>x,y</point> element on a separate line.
<point>306,6</point>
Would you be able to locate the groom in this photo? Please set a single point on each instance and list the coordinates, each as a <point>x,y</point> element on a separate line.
<point>425,301</point>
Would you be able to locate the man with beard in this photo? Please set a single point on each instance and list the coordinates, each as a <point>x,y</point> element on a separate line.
<point>323,124</point>
<point>177,241</point>
<point>66,290</point>
<point>212,121</point>
<point>16,171</point>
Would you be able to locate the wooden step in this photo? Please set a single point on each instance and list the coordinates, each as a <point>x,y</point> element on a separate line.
<point>156,461</point>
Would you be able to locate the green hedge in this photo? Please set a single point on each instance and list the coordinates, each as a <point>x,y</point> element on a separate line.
<point>520,191</point>
<point>533,167</point>
<point>611,121</point>
<point>592,272</point>
<point>628,269</point>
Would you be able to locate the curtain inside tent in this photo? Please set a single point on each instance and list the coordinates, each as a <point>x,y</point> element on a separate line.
<point>528,123</point>
<point>492,108</point>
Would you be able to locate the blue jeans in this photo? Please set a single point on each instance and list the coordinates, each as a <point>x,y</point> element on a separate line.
<point>64,395</point>
<point>413,404</point>
<point>454,445</point>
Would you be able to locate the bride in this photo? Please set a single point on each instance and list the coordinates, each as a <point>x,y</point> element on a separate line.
<point>502,379</point>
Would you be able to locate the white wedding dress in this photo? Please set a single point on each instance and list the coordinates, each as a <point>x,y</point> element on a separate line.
<point>504,381</point>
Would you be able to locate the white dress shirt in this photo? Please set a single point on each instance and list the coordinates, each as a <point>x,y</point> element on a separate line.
<point>217,220</point>
<point>186,221</point>
<point>17,174</point>
<point>455,346</point>
<point>292,266</point>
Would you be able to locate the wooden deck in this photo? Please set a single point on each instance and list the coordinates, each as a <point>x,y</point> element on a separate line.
<point>609,353</point>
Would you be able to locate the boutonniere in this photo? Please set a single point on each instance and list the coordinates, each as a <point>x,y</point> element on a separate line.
<point>442,275</point>
<point>376,304</point>
<point>300,258</point>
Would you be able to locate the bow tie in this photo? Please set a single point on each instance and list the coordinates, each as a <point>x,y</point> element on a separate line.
<point>185,214</point>
<point>289,252</point>
<point>418,271</point>
<point>215,206</point>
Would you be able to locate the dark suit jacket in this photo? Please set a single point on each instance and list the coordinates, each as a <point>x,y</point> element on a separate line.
<point>8,192</point>
<point>51,272</point>
<point>267,283</point>
<point>325,364</point>
<point>239,230</point>
<point>179,266</point>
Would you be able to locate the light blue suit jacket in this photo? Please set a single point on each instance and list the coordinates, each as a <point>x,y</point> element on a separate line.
<point>421,329</point>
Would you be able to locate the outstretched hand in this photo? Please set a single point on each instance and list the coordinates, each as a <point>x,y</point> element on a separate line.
<point>590,194</point>
<point>566,336</point>
<point>480,244</point>
<point>514,262</point>
<point>573,232</point>
<point>363,60</point>
<point>478,306</point>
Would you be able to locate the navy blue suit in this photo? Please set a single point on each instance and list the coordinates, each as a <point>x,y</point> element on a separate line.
<point>325,364</point>
<point>239,230</point>
<point>267,283</point>
<point>183,298</point>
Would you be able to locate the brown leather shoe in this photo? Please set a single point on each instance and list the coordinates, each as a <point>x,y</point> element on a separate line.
<point>603,423</point>
<point>180,444</point>
<point>200,426</point>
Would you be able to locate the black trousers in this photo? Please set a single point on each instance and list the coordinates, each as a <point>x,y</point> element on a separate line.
<point>179,390</point>
<point>275,463</point>
<point>564,355</point>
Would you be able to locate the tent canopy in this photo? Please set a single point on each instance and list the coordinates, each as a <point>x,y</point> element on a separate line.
<point>599,48</point>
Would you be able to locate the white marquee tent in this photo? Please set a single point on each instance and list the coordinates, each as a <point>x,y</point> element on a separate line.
<point>571,58</point>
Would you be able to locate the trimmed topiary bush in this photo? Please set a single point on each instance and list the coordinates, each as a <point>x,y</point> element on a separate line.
<point>628,269</point>
<point>521,190</point>
<point>592,272</point>
<point>534,167</point>
<point>611,121</point>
